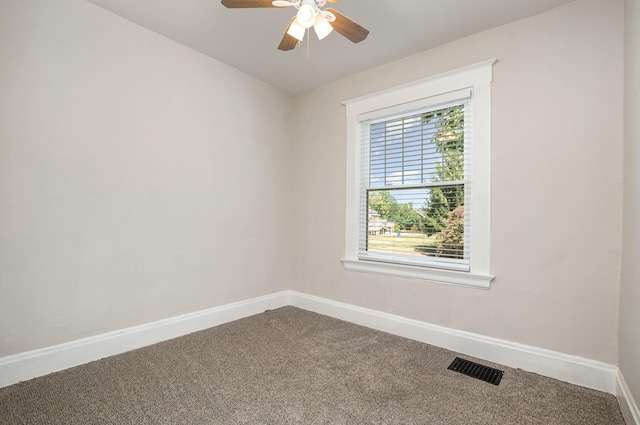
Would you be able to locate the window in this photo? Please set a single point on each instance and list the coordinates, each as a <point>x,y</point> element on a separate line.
<point>418,195</point>
<point>413,193</point>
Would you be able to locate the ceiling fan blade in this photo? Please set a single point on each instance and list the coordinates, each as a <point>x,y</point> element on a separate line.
<point>234,4</point>
<point>347,27</point>
<point>288,42</point>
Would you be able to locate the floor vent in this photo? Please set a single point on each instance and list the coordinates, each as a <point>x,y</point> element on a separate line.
<point>478,371</point>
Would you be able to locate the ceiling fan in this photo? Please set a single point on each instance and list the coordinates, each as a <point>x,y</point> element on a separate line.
<point>310,14</point>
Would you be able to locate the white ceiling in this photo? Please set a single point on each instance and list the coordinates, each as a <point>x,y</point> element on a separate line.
<point>247,39</point>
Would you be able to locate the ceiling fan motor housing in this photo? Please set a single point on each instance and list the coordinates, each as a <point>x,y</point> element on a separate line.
<point>307,13</point>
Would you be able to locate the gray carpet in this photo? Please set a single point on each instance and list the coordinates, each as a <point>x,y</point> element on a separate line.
<point>290,366</point>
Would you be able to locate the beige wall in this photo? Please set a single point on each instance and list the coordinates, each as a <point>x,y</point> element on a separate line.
<point>630,282</point>
<point>139,179</point>
<point>556,192</point>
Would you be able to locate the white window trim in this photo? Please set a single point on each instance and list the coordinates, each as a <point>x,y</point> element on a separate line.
<point>476,77</point>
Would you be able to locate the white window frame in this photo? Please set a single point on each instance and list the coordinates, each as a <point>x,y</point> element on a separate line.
<point>477,78</point>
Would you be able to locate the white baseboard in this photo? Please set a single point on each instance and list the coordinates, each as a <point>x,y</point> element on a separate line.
<point>31,364</point>
<point>573,369</point>
<point>627,403</point>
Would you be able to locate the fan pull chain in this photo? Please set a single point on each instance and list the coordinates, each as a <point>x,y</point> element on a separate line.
<point>308,43</point>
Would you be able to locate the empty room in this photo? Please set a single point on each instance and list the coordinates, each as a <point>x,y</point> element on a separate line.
<point>320,212</point>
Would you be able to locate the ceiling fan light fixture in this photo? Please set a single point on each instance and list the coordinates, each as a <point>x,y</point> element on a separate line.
<point>296,30</point>
<point>322,26</point>
<point>306,15</point>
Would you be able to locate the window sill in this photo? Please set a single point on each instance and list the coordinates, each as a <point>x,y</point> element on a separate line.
<point>440,276</point>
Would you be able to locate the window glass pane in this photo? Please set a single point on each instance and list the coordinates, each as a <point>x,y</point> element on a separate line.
<point>424,222</point>
<point>421,148</point>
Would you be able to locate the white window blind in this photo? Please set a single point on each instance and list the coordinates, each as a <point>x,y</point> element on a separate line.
<point>414,197</point>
